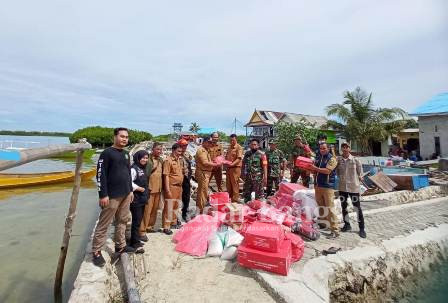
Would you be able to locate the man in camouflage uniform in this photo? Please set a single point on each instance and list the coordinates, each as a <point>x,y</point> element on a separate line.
<point>300,150</point>
<point>254,171</point>
<point>276,166</point>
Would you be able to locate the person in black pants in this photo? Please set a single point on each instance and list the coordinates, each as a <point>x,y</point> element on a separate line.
<point>141,195</point>
<point>186,186</point>
<point>349,171</point>
<point>343,197</point>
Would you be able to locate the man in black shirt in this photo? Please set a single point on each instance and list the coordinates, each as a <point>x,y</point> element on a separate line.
<point>115,194</point>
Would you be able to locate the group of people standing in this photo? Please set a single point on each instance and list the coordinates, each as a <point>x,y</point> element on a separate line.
<point>135,192</point>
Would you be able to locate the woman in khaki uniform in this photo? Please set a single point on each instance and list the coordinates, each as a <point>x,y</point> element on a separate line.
<point>173,177</point>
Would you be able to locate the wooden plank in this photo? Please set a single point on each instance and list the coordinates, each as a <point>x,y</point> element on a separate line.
<point>383,182</point>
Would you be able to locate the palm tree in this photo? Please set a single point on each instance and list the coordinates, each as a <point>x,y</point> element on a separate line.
<point>360,122</point>
<point>194,127</point>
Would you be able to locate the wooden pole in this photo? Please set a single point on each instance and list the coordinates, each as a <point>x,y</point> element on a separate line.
<point>131,287</point>
<point>68,227</point>
<point>33,154</point>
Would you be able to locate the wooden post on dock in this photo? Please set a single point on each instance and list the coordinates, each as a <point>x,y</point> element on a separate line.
<point>68,227</point>
<point>131,287</point>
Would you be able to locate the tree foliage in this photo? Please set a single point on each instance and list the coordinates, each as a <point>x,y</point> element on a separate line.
<point>360,121</point>
<point>162,138</point>
<point>285,133</point>
<point>33,133</point>
<point>194,127</point>
<point>104,136</point>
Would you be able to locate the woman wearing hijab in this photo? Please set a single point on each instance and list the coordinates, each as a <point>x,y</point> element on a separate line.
<point>141,194</point>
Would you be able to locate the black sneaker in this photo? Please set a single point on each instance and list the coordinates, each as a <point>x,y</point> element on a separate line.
<point>144,238</point>
<point>138,244</point>
<point>126,249</point>
<point>98,259</point>
<point>346,228</point>
<point>139,250</point>
<point>167,231</point>
<point>362,233</point>
<point>322,226</point>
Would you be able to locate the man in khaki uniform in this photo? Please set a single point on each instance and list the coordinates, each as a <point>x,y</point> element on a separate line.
<point>154,173</point>
<point>215,150</point>
<point>173,177</point>
<point>204,167</point>
<point>324,170</point>
<point>233,171</point>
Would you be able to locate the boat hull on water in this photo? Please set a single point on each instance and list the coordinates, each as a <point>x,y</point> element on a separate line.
<point>25,180</point>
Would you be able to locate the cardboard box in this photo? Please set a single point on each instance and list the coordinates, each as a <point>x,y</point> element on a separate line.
<point>290,188</point>
<point>297,246</point>
<point>276,262</point>
<point>264,236</point>
<point>235,212</point>
<point>303,162</point>
<point>219,201</point>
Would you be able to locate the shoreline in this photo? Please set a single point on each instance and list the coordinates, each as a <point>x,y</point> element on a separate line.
<point>383,260</point>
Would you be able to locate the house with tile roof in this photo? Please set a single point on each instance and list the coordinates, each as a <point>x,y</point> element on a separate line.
<point>262,124</point>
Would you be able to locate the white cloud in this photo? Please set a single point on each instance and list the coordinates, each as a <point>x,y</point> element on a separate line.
<point>150,63</point>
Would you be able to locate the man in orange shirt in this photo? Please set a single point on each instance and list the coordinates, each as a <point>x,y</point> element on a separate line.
<point>203,173</point>
<point>173,177</point>
<point>233,171</point>
<point>215,150</point>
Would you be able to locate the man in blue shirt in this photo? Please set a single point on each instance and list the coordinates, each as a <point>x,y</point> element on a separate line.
<point>324,182</point>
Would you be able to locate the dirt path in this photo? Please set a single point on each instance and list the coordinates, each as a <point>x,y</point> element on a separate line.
<point>175,277</point>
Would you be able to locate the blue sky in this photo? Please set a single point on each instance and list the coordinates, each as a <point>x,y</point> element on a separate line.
<point>146,64</point>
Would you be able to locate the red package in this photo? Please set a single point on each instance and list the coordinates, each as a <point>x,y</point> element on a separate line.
<point>289,220</point>
<point>270,214</point>
<point>303,162</point>
<point>284,200</point>
<point>222,160</point>
<point>297,246</point>
<point>193,237</point>
<point>256,204</point>
<point>290,188</point>
<point>264,236</point>
<point>219,200</point>
<point>276,262</point>
<point>220,216</point>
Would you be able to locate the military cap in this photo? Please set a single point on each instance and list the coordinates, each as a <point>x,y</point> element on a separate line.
<point>272,141</point>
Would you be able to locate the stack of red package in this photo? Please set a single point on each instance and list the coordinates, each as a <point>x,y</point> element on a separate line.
<point>219,200</point>
<point>303,162</point>
<point>267,247</point>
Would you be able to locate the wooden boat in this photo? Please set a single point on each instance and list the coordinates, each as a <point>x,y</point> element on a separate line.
<point>24,180</point>
<point>72,155</point>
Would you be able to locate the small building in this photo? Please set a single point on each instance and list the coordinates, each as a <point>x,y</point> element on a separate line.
<point>262,124</point>
<point>433,124</point>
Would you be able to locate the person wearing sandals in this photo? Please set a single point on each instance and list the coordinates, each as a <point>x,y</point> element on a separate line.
<point>349,172</point>
<point>141,195</point>
<point>115,195</point>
